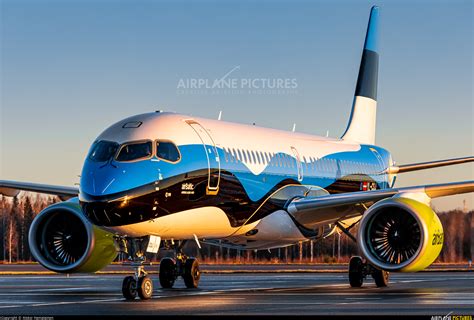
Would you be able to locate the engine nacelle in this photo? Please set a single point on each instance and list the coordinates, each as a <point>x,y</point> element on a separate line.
<point>63,240</point>
<point>400,234</point>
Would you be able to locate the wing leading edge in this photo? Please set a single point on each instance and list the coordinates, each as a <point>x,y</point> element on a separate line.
<point>330,208</point>
<point>12,188</point>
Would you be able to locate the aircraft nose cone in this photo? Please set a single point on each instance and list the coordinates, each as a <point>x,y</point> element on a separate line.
<point>100,180</point>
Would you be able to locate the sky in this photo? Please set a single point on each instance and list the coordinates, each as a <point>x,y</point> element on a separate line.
<point>71,68</point>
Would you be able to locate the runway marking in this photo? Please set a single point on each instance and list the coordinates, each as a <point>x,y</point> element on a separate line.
<point>61,303</point>
<point>451,301</point>
<point>364,298</point>
<point>21,302</point>
<point>226,298</point>
<point>33,293</point>
<point>361,293</point>
<point>63,289</point>
<point>74,302</point>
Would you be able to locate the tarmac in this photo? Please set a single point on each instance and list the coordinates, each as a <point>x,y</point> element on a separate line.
<point>271,290</point>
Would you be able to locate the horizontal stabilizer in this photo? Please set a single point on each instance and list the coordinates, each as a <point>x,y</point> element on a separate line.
<point>428,165</point>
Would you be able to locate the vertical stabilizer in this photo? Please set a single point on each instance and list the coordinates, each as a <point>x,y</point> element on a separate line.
<point>361,127</point>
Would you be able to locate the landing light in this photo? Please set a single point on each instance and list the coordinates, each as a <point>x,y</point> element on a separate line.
<point>124,202</point>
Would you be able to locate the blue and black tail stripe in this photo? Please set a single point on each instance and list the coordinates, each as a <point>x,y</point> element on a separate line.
<point>368,72</point>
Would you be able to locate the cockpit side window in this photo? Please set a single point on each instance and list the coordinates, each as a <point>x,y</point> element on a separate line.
<point>167,151</point>
<point>133,151</point>
<point>103,150</point>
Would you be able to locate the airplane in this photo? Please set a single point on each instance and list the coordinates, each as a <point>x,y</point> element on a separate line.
<point>159,179</point>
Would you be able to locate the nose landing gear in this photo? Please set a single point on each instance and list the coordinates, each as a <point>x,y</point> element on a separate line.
<point>139,284</point>
<point>170,269</point>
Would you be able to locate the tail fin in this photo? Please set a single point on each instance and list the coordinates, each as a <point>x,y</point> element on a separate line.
<point>361,127</point>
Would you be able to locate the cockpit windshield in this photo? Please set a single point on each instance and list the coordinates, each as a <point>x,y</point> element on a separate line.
<point>135,151</point>
<point>168,151</point>
<point>103,150</point>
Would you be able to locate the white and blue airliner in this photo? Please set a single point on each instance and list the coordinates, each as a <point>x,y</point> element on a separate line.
<point>159,179</point>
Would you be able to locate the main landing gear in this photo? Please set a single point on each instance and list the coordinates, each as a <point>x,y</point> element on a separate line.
<point>186,267</point>
<point>359,270</point>
<point>170,269</point>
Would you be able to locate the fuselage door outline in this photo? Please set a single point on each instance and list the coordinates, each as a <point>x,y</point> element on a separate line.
<point>212,155</point>
<point>299,165</point>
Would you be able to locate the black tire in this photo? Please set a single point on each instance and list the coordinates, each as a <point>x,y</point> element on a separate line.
<point>192,274</point>
<point>167,273</point>
<point>381,278</point>
<point>129,288</point>
<point>356,275</point>
<point>145,288</point>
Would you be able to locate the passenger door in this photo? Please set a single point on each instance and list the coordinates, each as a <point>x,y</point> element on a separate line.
<point>212,155</point>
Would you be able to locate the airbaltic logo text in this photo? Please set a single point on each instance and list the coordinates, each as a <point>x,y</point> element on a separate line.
<point>232,85</point>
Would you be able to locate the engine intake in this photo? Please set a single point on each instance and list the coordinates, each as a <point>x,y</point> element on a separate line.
<point>400,234</point>
<point>62,240</point>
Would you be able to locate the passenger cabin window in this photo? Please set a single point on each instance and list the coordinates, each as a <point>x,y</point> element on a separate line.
<point>135,151</point>
<point>167,151</point>
<point>254,157</point>
<point>225,154</point>
<point>241,158</point>
<point>103,150</point>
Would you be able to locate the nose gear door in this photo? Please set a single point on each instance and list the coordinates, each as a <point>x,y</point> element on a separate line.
<point>212,155</point>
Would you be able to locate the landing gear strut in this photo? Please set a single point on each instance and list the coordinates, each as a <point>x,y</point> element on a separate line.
<point>186,267</point>
<point>139,283</point>
<point>170,269</point>
<point>359,270</point>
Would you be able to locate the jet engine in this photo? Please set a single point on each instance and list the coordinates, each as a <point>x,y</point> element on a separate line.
<point>63,240</point>
<point>400,234</point>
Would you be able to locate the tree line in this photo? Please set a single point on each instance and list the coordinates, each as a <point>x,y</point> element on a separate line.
<point>17,213</point>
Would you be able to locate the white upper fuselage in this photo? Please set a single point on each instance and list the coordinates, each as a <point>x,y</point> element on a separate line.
<point>239,163</point>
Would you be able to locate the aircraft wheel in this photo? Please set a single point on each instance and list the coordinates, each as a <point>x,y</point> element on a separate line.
<point>145,288</point>
<point>129,288</point>
<point>380,277</point>
<point>192,274</point>
<point>167,273</point>
<point>356,274</point>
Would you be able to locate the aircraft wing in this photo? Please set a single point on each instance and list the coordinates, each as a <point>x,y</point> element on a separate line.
<point>12,188</point>
<point>334,207</point>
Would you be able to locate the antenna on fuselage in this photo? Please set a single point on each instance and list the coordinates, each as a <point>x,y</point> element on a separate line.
<point>220,115</point>
<point>294,127</point>
<point>327,133</point>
